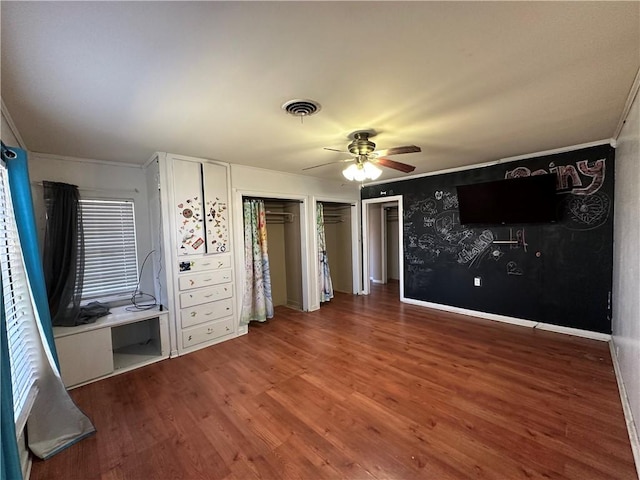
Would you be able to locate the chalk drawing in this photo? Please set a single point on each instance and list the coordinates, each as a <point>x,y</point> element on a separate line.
<point>496,254</point>
<point>450,201</point>
<point>513,269</point>
<point>471,252</point>
<point>429,207</point>
<point>588,212</point>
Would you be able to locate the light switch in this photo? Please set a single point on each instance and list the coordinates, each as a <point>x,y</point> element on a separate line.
<point>477,282</point>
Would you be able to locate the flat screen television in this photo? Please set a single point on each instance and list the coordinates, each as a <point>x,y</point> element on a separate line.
<point>516,200</point>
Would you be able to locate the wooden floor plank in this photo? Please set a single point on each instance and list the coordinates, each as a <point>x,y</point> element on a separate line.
<point>364,388</point>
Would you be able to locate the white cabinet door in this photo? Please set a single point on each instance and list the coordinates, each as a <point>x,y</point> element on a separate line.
<point>216,198</point>
<point>85,356</point>
<point>188,210</point>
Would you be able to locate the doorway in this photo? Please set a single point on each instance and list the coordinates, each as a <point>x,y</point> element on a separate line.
<point>382,251</point>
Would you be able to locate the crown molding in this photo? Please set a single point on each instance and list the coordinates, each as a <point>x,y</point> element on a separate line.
<point>12,125</point>
<point>635,86</point>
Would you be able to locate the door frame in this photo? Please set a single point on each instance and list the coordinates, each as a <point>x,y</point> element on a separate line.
<point>239,240</point>
<point>366,287</point>
<point>355,244</point>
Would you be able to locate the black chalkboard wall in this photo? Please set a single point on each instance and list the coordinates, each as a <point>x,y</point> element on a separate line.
<point>557,273</point>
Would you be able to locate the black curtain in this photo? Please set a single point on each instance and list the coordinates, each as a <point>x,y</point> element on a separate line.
<point>63,252</point>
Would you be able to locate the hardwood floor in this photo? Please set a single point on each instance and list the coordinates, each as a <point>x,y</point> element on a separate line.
<point>364,388</point>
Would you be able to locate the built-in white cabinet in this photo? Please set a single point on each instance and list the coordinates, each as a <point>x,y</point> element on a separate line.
<point>194,228</point>
<point>115,343</point>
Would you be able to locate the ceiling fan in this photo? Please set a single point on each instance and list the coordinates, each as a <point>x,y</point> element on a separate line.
<point>366,157</point>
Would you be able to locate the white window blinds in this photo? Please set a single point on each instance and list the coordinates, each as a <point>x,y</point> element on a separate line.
<point>21,329</point>
<point>111,260</point>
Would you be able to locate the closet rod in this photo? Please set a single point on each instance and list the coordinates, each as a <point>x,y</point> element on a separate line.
<point>90,189</point>
<point>268,212</point>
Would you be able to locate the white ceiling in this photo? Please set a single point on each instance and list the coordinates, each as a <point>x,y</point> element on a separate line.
<point>469,82</point>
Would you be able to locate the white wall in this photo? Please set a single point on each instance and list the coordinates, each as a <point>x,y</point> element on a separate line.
<point>97,180</point>
<point>273,184</point>
<point>626,259</point>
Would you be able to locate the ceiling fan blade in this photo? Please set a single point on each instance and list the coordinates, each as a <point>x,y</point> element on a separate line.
<point>334,150</point>
<point>329,163</point>
<point>397,150</point>
<point>386,162</point>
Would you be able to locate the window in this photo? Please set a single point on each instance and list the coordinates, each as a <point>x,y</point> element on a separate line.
<point>111,260</point>
<point>19,313</point>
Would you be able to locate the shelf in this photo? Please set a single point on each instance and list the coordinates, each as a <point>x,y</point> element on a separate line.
<point>136,355</point>
<point>118,316</point>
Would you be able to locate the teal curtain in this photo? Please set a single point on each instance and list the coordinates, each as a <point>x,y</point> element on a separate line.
<point>324,274</point>
<point>54,422</point>
<point>10,458</point>
<point>257,301</point>
<point>16,161</point>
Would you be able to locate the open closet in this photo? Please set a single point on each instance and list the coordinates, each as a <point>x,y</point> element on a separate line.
<point>284,248</point>
<point>338,236</point>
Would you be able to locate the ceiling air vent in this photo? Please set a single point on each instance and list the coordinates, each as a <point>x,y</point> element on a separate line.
<point>301,108</point>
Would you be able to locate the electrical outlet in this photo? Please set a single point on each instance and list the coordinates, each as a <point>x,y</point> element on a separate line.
<point>477,282</point>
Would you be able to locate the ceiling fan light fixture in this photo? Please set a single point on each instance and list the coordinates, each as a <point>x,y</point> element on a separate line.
<point>361,171</point>
<point>372,172</point>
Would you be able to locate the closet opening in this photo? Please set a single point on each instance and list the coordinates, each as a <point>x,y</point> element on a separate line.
<point>284,245</point>
<point>341,252</point>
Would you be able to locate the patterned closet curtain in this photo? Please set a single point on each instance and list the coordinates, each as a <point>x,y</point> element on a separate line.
<point>324,280</point>
<point>257,302</point>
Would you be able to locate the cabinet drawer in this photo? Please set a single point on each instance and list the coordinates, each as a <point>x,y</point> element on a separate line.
<point>197,280</point>
<point>206,312</point>
<point>207,332</point>
<point>205,295</point>
<point>209,262</point>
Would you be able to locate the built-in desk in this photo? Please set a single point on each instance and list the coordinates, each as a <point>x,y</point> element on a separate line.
<point>115,343</point>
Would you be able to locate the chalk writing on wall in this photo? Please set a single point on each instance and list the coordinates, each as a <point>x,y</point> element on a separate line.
<point>568,177</point>
<point>532,271</point>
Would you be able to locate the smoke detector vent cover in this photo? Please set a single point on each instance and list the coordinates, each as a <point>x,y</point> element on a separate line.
<point>301,108</point>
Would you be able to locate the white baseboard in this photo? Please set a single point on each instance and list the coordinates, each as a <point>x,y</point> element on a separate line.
<point>603,337</point>
<point>626,407</point>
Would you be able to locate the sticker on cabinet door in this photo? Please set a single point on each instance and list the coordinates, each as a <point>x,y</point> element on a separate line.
<point>189,225</point>
<point>217,226</point>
